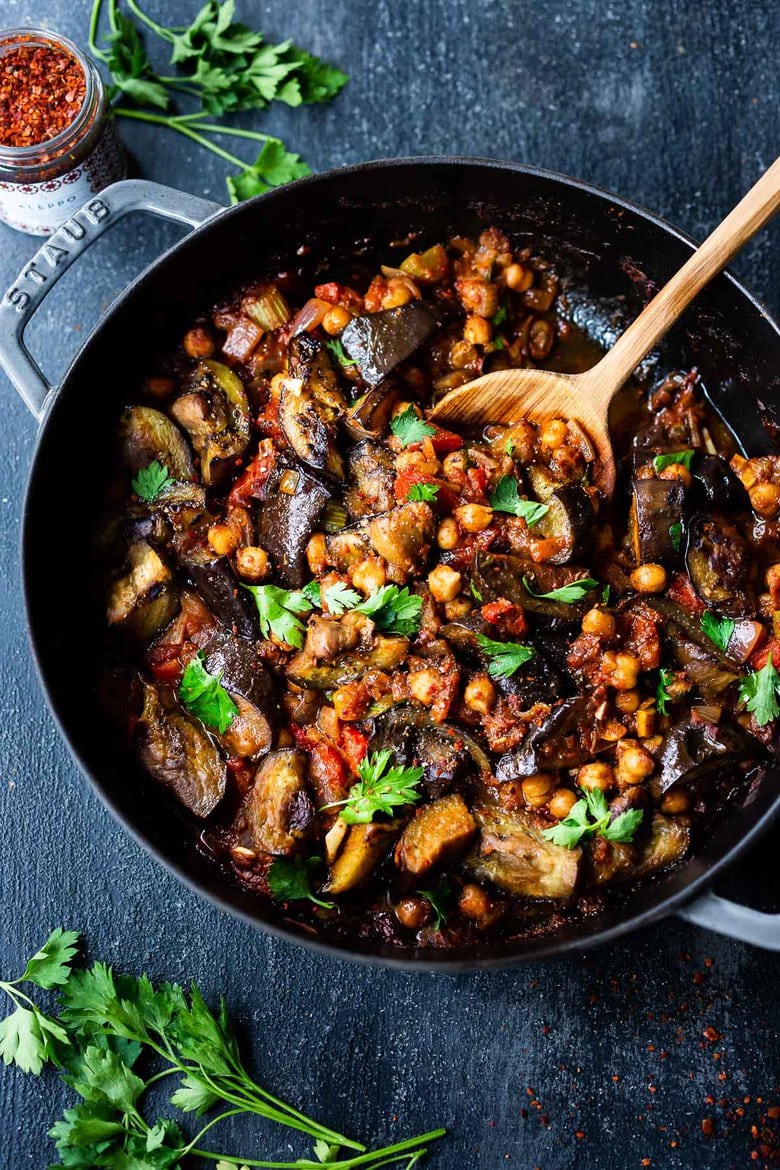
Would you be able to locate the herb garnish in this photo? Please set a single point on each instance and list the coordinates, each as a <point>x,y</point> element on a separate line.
<point>289,880</point>
<point>662,461</point>
<point>422,492</point>
<point>106,1023</point>
<point>409,428</point>
<point>605,594</point>
<point>505,657</point>
<point>379,789</point>
<point>717,629</point>
<point>571,593</point>
<point>393,610</point>
<point>204,696</point>
<point>578,825</point>
<point>500,315</point>
<point>279,611</point>
<point>759,692</point>
<point>662,695</point>
<point>151,480</point>
<point>440,899</point>
<point>676,535</point>
<point>337,349</point>
<point>475,593</point>
<point>339,598</point>
<point>506,498</point>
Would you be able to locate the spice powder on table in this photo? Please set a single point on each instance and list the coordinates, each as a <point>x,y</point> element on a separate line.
<point>42,90</point>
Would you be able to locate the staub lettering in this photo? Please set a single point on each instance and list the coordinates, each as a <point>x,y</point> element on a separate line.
<point>20,300</point>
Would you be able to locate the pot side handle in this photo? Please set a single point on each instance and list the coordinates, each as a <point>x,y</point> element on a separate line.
<point>734,920</point>
<point>63,248</point>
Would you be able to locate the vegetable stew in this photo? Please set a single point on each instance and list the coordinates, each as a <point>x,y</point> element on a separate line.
<point>422,686</point>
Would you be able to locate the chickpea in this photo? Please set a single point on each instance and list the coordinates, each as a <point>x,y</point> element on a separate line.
<point>627,702</point>
<point>351,701</point>
<point>597,621</point>
<point>448,533</point>
<point>477,331</point>
<point>679,472</point>
<point>553,433</point>
<point>370,575</point>
<point>398,293</point>
<point>414,912</point>
<point>541,338</point>
<point>317,553</point>
<point>596,775</point>
<point>424,686</point>
<point>561,803</point>
<point>474,517</point>
<point>518,277</point>
<point>223,539</point>
<point>453,610</point>
<point>634,764</point>
<point>622,670</point>
<point>252,562</point>
<point>418,460</point>
<point>474,902</point>
<point>537,789</point>
<point>648,578</point>
<point>198,343</point>
<point>765,498</point>
<point>613,731</point>
<point>462,354</point>
<point>455,466</point>
<point>677,801</point>
<point>336,319</point>
<point>479,694</point>
<point>444,583</point>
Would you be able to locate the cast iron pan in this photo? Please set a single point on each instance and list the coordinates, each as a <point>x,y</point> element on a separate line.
<point>611,249</point>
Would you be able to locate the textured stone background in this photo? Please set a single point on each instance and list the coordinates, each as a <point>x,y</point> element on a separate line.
<point>671,104</point>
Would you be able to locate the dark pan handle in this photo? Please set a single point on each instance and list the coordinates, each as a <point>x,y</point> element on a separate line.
<point>61,250</point>
<point>734,920</point>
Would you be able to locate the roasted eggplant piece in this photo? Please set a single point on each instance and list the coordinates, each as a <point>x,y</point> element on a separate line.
<point>381,341</point>
<point>449,757</point>
<point>704,663</point>
<point>565,739</point>
<point>369,415</point>
<point>436,835</point>
<point>279,810</point>
<point>363,847</point>
<point>403,535</point>
<point>145,599</point>
<point>512,854</point>
<point>501,575</point>
<point>665,844</point>
<point>541,680</point>
<point>693,749</point>
<point>146,434</point>
<point>371,475</point>
<point>715,485</point>
<point>178,753</point>
<point>215,413</point>
<point>570,520</point>
<point>250,685</point>
<point>310,406</point>
<point>213,578</point>
<point>387,653</point>
<point>656,507</point>
<point>719,564</point>
<point>286,520</point>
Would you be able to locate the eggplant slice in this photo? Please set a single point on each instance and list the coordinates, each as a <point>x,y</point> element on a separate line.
<point>310,406</point>
<point>287,519</point>
<point>656,521</point>
<point>215,413</point>
<point>512,854</point>
<point>720,565</point>
<point>379,342</point>
<point>146,434</point>
<point>178,752</point>
<point>693,749</point>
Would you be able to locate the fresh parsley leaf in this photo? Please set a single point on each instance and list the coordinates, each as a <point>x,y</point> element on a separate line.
<point>193,1096</point>
<point>499,317</point>
<point>676,535</point>
<point>393,610</point>
<point>662,461</point>
<point>590,817</point>
<point>408,428</point>
<point>50,966</point>
<point>717,629</point>
<point>509,448</point>
<point>204,696</point>
<point>313,593</point>
<point>324,1152</point>
<point>440,899</point>
<point>289,880</point>
<point>337,349</point>
<point>505,657</point>
<point>380,789</point>
<point>279,611</point>
<point>605,594</point>
<point>571,593</point>
<point>498,342</point>
<point>151,480</point>
<point>662,695</point>
<point>506,498</point>
<point>475,593</point>
<point>130,67</point>
<point>24,1040</point>
<point>422,492</point>
<point>339,598</point>
<point>274,166</point>
<point>759,692</point>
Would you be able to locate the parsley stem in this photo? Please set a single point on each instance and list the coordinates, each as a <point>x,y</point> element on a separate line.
<point>164,33</point>
<point>236,131</point>
<point>94,21</point>
<point>373,1159</point>
<point>180,128</point>
<point>222,1117</point>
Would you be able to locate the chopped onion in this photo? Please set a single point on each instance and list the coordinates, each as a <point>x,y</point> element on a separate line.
<point>310,316</point>
<point>708,712</point>
<point>404,278</point>
<point>289,482</point>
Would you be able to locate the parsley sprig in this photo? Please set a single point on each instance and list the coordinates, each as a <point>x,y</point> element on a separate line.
<point>336,348</point>
<point>505,657</point>
<point>290,880</point>
<point>423,492</point>
<point>663,696</point>
<point>279,610</point>
<point>662,461</point>
<point>204,696</point>
<point>759,692</point>
<point>571,593</point>
<point>409,428</point>
<point>151,480</point>
<point>717,629</point>
<point>116,1035</point>
<point>590,817</point>
<point>339,598</point>
<point>380,789</point>
<point>506,498</point>
<point>440,899</point>
<point>393,610</point>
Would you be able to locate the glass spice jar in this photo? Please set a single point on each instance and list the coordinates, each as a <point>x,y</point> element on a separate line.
<point>43,183</point>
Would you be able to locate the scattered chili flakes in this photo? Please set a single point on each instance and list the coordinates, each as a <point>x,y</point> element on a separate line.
<point>711,1034</point>
<point>707,1126</point>
<point>42,90</point>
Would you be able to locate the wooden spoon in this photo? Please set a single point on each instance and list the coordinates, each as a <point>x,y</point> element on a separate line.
<point>508,396</point>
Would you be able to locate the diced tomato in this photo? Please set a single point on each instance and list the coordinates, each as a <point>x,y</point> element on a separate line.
<point>328,773</point>
<point>446,498</point>
<point>759,658</point>
<point>268,421</point>
<point>241,772</point>
<point>476,490</point>
<point>164,662</point>
<point>340,294</point>
<point>305,737</point>
<point>682,591</point>
<point>445,441</point>
<point>250,485</point>
<point>375,294</point>
<point>506,615</point>
<point>354,744</point>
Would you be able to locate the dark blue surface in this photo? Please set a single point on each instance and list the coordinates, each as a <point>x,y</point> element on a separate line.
<point>674,106</point>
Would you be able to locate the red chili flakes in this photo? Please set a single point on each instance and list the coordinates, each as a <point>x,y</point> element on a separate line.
<point>42,90</point>
<point>711,1034</point>
<point>707,1126</point>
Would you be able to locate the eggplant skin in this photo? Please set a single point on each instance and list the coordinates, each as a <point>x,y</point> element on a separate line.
<point>215,582</point>
<point>371,477</point>
<point>657,505</point>
<point>715,485</point>
<point>177,752</point>
<point>565,739</point>
<point>310,406</point>
<point>242,670</point>
<point>379,342</point>
<point>286,522</point>
<point>570,520</point>
<point>146,434</point>
<point>449,757</point>
<point>363,848</point>
<point>279,810</point>
<point>719,564</point>
<point>691,750</point>
<point>436,835</point>
<point>501,575</point>
<point>664,844</point>
<point>512,854</point>
<point>144,600</point>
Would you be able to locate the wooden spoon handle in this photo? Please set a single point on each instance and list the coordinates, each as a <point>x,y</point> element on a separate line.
<point>750,214</point>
